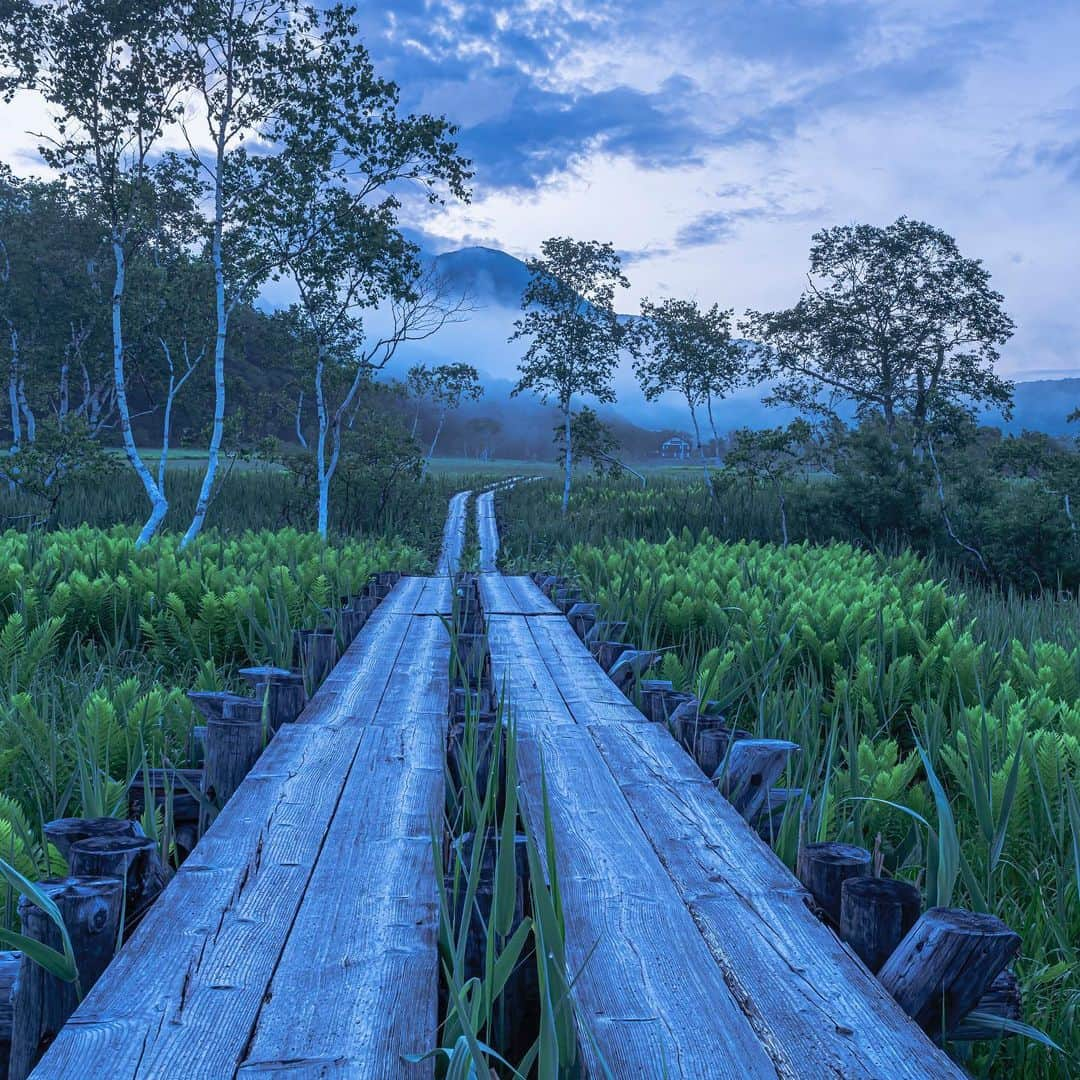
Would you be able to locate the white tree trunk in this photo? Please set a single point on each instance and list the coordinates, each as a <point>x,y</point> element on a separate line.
<point>207,489</point>
<point>159,505</point>
<point>701,451</point>
<point>28,413</point>
<point>299,415</point>
<point>323,473</point>
<point>568,459</point>
<point>13,393</point>
<point>434,441</point>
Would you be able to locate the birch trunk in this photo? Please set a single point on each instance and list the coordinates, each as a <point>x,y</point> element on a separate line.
<point>701,453</point>
<point>434,441</point>
<point>207,488</point>
<point>13,393</point>
<point>323,474</point>
<point>159,505</point>
<point>568,459</point>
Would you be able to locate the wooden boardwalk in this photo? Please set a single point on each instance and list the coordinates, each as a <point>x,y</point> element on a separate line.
<point>454,534</point>
<point>299,938</point>
<point>698,956</point>
<point>488,531</point>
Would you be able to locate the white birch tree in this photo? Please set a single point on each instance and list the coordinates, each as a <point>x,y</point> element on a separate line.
<point>116,79</point>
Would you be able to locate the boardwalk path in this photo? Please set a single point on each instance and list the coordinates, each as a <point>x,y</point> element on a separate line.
<point>697,952</point>
<point>300,936</point>
<point>299,939</point>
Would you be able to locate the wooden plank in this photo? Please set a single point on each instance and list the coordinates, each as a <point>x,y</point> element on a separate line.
<point>454,534</point>
<point>649,992</point>
<point>578,676</point>
<point>812,1003</point>
<point>503,594</point>
<point>488,531</point>
<point>181,997</point>
<point>357,985</point>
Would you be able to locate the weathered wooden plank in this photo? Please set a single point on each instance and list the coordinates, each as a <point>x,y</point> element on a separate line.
<point>803,990</point>
<point>181,997</point>
<point>578,675</point>
<point>488,531</point>
<point>503,594</point>
<point>357,981</point>
<point>648,990</point>
<point>813,1005</point>
<point>454,534</point>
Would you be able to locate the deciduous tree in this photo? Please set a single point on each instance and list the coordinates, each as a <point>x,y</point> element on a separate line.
<point>680,348</point>
<point>113,72</point>
<point>895,320</point>
<point>574,333</point>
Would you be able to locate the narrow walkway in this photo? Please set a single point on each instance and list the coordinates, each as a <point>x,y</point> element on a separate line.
<point>454,534</point>
<point>693,947</point>
<point>299,938</point>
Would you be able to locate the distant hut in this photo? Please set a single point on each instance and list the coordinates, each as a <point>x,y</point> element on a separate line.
<point>676,447</point>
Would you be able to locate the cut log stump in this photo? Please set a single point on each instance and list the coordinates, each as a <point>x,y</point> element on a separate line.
<point>875,916</point>
<point>132,859</point>
<point>90,909</point>
<point>750,771</point>
<point>62,833</point>
<point>823,868</point>
<point>945,964</point>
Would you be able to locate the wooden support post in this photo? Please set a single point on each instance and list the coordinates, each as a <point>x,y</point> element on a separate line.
<point>651,695</point>
<point>90,909</point>
<point>63,832</point>
<point>132,859</point>
<point>564,599</point>
<point>1002,999</point>
<point>582,617</point>
<point>875,915</point>
<point>630,666</point>
<point>824,867</point>
<point>945,964</point>
<point>233,745</point>
<point>607,652</point>
<point>211,703</point>
<point>316,654</point>
<point>605,630</point>
<point>770,817</point>
<point>750,771</point>
<point>175,785</point>
<point>196,746</point>
<point>9,970</point>
<point>283,691</point>
<point>710,746</point>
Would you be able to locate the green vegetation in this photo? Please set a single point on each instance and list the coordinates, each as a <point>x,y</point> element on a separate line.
<point>940,728</point>
<point>99,640</point>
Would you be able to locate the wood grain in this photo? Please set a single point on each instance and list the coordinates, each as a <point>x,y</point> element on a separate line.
<point>648,991</point>
<point>813,1006</point>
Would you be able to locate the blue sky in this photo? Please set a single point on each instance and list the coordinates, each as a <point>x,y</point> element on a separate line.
<point>708,141</point>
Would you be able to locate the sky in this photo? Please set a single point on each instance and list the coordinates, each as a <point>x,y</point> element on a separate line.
<point>709,141</point>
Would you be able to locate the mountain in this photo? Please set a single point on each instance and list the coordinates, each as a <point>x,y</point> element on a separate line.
<point>485,275</point>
